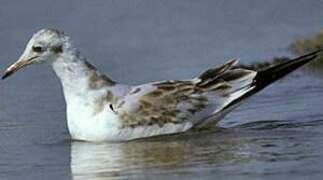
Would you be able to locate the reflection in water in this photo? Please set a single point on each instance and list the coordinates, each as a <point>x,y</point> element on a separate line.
<point>166,155</point>
<point>235,152</point>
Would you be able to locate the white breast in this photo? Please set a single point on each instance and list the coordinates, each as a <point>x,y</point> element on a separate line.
<point>84,124</point>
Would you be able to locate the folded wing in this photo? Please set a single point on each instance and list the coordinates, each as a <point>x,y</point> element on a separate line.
<point>185,102</point>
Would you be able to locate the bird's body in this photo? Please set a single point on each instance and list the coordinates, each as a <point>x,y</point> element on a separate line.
<point>100,109</point>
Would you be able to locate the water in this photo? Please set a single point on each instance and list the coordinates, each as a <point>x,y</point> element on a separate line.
<point>278,134</point>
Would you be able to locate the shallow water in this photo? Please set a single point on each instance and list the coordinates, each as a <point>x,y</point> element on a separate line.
<point>277,134</point>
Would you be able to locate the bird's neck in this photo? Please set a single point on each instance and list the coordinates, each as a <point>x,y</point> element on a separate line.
<point>78,77</point>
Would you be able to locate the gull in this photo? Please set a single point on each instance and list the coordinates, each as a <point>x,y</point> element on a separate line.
<point>100,109</point>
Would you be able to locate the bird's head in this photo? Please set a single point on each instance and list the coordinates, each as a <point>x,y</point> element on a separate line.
<point>46,45</point>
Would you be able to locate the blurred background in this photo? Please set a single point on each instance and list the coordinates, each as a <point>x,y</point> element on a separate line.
<point>277,134</point>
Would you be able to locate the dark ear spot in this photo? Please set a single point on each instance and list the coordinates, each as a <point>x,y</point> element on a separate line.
<point>57,49</point>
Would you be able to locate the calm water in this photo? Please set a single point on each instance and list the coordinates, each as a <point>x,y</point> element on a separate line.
<point>278,134</point>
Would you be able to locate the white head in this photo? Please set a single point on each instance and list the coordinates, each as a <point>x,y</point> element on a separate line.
<point>46,45</point>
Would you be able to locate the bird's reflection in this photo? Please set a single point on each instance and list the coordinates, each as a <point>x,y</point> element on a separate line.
<point>133,159</point>
<point>199,153</point>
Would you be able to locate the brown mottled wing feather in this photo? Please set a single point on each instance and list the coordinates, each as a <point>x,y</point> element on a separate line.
<point>181,101</point>
<point>160,103</point>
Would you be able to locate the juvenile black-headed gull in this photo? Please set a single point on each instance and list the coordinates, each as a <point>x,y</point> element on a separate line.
<point>100,109</point>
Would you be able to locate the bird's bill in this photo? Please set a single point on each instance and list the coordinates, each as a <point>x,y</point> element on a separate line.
<point>18,65</point>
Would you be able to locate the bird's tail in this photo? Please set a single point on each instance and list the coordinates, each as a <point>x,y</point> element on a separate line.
<point>271,74</point>
<point>253,82</point>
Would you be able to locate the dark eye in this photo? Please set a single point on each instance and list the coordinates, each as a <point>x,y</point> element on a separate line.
<point>37,49</point>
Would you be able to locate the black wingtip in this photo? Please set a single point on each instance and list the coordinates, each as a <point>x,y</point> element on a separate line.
<point>272,74</point>
<point>5,76</point>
